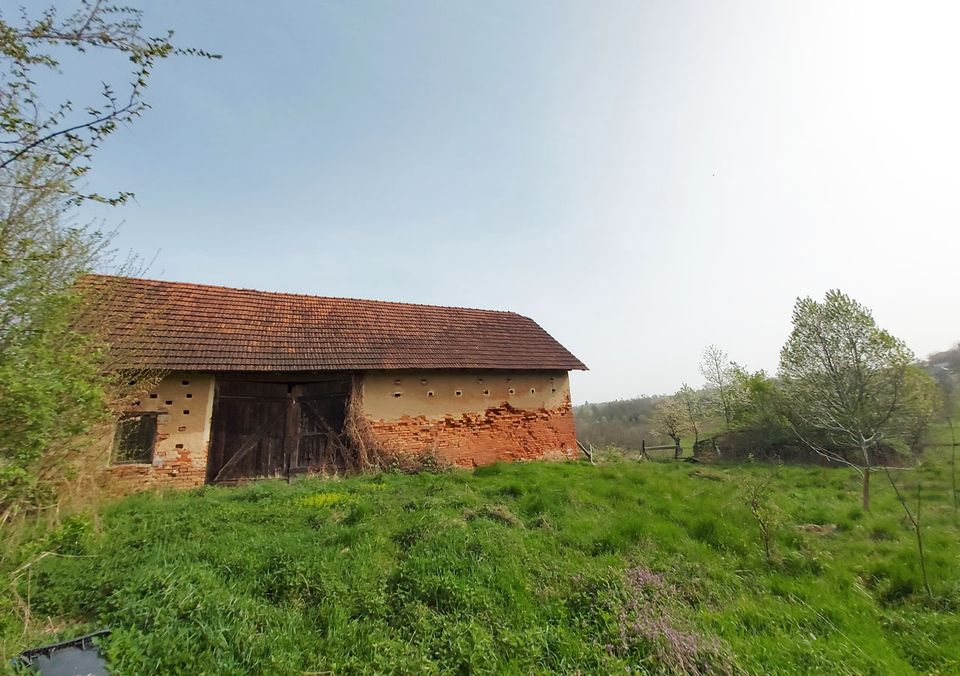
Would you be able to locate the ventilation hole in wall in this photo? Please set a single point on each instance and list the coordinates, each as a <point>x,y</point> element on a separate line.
<point>189,396</point>
<point>136,402</point>
<point>182,428</point>
<point>153,396</point>
<point>509,379</point>
<point>553,390</point>
<point>486,392</point>
<point>186,411</point>
<point>179,445</point>
<point>184,382</point>
<point>396,382</point>
<point>459,393</point>
<point>169,402</point>
<point>533,390</point>
<point>429,393</point>
<point>480,381</point>
<point>511,391</point>
<point>551,380</point>
<point>397,395</point>
<point>423,381</point>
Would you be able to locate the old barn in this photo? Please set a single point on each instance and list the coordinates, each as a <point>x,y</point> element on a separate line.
<point>258,384</point>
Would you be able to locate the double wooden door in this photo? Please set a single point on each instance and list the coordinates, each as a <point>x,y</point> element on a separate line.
<point>264,429</point>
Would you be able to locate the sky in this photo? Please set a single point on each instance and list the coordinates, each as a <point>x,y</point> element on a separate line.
<point>641,178</point>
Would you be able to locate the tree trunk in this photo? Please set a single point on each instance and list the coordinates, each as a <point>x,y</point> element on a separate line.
<point>867,464</point>
<point>866,489</point>
<point>677,449</point>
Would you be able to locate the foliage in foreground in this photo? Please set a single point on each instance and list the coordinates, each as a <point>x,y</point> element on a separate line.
<point>518,568</point>
<point>52,384</point>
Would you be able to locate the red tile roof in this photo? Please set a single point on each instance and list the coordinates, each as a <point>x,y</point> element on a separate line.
<point>173,325</point>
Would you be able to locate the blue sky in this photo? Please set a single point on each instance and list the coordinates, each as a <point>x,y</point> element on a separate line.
<point>642,178</point>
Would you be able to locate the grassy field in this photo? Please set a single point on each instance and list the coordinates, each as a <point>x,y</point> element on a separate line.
<point>520,568</point>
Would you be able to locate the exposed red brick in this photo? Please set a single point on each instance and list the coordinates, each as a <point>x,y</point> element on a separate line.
<point>471,439</point>
<point>180,472</point>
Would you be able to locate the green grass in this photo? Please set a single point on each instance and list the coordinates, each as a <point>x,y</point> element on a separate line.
<point>516,568</point>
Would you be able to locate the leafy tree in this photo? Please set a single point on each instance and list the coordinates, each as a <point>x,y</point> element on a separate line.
<point>53,384</point>
<point>670,418</point>
<point>923,402</point>
<point>695,413</point>
<point>847,382</point>
<point>722,378</point>
<point>758,413</point>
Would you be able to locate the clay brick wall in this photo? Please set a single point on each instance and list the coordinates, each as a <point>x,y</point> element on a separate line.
<point>472,418</point>
<point>184,404</point>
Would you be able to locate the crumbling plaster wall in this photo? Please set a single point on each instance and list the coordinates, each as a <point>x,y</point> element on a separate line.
<point>472,417</point>
<point>184,404</point>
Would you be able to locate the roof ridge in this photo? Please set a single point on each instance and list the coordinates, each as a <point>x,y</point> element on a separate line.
<point>287,294</point>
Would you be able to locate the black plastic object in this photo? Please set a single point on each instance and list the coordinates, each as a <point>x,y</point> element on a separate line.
<point>78,657</point>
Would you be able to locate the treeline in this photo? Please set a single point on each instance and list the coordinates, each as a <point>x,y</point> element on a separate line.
<point>845,388</point>
<point>625,423</point>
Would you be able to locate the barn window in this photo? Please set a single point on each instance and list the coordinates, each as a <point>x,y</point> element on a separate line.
<point>135,438</point>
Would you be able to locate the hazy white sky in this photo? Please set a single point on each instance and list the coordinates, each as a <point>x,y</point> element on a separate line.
<point>642,178</point>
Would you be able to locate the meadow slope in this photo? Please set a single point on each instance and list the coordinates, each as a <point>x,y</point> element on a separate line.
<point>520,568</point>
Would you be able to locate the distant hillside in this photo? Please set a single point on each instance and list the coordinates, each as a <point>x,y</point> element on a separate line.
<point>945,368</point>
<point>944,364</point>
<point>624,423</point>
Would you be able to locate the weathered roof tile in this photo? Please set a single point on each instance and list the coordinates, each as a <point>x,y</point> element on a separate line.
<point>174,325</point>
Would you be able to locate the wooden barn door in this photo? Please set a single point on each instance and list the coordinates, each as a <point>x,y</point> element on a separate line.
<point>249,427</point>
<point>264,429</point>
<point>321,410</point>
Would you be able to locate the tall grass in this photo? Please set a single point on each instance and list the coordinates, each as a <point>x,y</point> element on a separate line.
<point>509,568</point>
